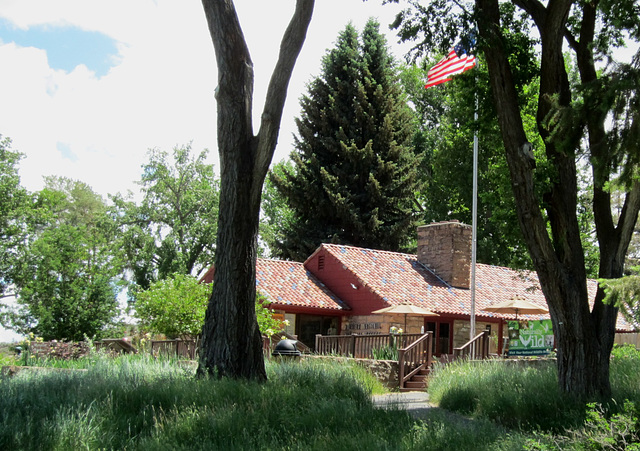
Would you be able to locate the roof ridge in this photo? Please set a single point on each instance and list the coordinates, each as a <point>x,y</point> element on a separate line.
<point>279,260</point>
<point>368,249</point>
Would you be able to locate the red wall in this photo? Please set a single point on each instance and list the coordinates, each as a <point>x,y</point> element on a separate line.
<point>342,282</point>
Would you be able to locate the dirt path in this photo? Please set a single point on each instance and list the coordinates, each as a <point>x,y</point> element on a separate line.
<point>417,404</point>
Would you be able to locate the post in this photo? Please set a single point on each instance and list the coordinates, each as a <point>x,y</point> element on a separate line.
<point>474,233</point>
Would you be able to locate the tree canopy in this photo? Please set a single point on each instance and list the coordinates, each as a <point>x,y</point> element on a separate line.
<point>173,228</point>
<point>445,140</point>
<point>571,118</point>
<point>354,177</point>
<point>176,307</point>
<point>14,202</point>
<point>68,272</point>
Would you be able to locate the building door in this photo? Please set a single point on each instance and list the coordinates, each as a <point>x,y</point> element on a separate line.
<point>444,338</point>
<point>441,336</point>
<point>308,326</point>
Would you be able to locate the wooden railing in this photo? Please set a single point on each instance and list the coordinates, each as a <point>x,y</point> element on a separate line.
<point>475,349</point>
<point>361,346</point>
<point>414,357</point>
<point>179,348</point>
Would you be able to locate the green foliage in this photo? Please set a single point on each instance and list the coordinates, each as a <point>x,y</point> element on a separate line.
<point>618,431</point>
<point>385,353</point>
<point>173,228</point>
<point>354,174</point>
<point>14,200</point>
<point>276,217</point>
<point>174,306</point>
<point>8,354</point>
<point>624,293</point>
<point>526,396</point>
<point>446,134</point>
<point>267,322</point>
<point>67,274</point>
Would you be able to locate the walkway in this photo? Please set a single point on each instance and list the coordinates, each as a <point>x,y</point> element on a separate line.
<point>415,402</point>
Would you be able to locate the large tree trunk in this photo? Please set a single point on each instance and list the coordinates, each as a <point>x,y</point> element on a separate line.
<point>584,338</point>
<point>231,341</point>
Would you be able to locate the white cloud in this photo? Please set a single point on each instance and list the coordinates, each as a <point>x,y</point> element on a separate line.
<point>160,94</point>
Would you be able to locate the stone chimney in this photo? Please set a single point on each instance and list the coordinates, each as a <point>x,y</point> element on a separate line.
<point>445,248</point>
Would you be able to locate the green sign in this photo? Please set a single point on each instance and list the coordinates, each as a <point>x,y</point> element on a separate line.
<point>530,337</point>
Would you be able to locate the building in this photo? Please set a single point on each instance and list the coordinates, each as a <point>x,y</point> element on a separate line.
<point>338,287</point>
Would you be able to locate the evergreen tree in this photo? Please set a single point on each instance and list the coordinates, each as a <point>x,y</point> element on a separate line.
<point>354,175</point>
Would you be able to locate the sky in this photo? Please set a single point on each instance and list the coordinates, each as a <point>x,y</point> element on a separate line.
<point>87,87</point>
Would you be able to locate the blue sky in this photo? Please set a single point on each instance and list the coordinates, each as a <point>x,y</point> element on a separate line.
<point>66,46</point>
<point>88,86</point>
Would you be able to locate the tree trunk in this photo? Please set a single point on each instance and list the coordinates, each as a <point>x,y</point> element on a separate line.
<point>584,337</point>
<point>231,341</point>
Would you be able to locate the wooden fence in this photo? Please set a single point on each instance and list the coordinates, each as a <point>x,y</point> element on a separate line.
<point>179,348</point>
<point>628,338</point>
<point>361,346</point>
<point>189,348</point>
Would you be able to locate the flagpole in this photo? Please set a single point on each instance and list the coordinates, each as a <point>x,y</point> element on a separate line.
<point>474,233</point>
<point>457,62</point>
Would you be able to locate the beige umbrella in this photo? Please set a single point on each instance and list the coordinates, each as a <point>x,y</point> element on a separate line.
<point>406,308</point>
<point>517,304</point>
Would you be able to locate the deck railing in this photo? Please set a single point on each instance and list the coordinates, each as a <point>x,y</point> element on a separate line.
<point>475,349</point>
<point>414,357</point>
<point>361,346</point>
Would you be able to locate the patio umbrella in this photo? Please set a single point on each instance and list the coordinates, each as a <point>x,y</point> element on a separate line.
<point>517,304</point>
<point>406,308</point>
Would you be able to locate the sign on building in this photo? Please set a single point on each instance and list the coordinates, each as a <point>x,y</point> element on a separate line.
<point>528,338</point>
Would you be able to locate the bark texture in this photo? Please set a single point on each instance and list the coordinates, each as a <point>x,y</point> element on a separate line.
<point>584,335</point>
<point>231,341</point>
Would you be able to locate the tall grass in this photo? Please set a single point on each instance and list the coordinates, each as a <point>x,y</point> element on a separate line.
<point>137,402</point>
<point>522,397</point>
<point>527,397</point>
<point>141,403</point>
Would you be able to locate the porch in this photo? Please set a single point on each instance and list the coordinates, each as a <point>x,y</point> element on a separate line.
<point>413,352</point>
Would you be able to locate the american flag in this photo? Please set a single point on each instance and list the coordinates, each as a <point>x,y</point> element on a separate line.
<point>456,62</point>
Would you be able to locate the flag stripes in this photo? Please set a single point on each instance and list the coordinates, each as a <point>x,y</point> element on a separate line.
<point>449,66</point>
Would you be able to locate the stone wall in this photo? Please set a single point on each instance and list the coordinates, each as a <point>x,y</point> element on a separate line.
<point>445,248</point>
<point>380,324</point>
<point>461,333</point>
<point>386,371</point>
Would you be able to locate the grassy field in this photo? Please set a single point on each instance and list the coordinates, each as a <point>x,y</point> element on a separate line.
<point>142,403</point>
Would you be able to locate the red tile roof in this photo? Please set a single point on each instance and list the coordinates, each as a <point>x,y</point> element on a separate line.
<point>397,278</point>
<point>289,283</point>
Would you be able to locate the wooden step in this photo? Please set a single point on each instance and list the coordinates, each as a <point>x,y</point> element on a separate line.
<point>413,386</point>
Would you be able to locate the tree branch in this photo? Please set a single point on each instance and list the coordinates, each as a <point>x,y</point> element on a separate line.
<point>290,47</point>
